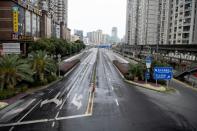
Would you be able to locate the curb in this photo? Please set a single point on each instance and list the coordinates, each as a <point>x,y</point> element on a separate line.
<point>139,85</point>
<point>3,104</point>
<point>185,84</point>
<point>74,67</point>
<point>136,84</point>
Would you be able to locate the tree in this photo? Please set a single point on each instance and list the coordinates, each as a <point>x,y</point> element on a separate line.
<point>13,69</point>
<point>42,65</point>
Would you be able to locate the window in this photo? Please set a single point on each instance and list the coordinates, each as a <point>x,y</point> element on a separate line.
<point>34,25</point>
<point>38,26</point>
<point>28,22</point>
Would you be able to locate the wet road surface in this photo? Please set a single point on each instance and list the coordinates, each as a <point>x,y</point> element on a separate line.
<point>117,106</point>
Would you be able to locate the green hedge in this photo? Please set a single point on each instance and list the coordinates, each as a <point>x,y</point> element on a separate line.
<point>8,93</point>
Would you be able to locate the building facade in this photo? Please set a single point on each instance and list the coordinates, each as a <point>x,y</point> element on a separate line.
<point>142,24</point>
<point>74,38</point>
<point>56,11</point>
<point>95,37</point>
<point>79,33</point>
<point>161,22</point>
<point>181,22</point>
<point>164,22</point>
<point>114,35</point>
<point>19,24</point>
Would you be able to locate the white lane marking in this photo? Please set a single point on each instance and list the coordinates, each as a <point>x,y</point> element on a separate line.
<point>72,117</point>
<point>30,110</point>
<point>112,87</point>
<point>54,100</point>
<point>44,120</point>
<point>11,128</point>
<point>57,114</point>
<point>77,101</point>
<point>50,91</point>
<point>68,95</point>
<point>20,109</point>
<point>26,114</point>
<point>78,104</point>
<point>53,124</point>
<point>117,102</point>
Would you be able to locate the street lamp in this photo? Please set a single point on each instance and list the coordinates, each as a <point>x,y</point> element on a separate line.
<point>59,60</point>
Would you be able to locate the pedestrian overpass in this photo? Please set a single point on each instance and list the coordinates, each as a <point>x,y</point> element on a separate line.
<point>188,72</point>
<point>107,46</point>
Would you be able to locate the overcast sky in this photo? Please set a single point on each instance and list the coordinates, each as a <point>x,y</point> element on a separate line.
<point>90,15</point>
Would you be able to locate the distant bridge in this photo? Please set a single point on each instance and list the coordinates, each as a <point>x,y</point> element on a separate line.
<point>104,46</point>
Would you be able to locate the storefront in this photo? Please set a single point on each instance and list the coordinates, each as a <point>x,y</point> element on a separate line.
<point>19,23</point>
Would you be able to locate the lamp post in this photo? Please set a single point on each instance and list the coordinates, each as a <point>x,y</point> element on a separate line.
<point>59,60</point>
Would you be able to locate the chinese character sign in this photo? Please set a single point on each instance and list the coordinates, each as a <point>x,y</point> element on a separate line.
<point>15,19</point>
<point>163,73</point>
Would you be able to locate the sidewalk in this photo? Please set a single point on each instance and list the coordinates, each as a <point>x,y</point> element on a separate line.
<point>126,58</point>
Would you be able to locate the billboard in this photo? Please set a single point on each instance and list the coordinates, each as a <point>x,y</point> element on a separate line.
<point>11,48</point>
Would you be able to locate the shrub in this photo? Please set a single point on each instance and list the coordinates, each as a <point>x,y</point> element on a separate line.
<point>51,78</point>
<point>7,93</point>
<point>137,70</point>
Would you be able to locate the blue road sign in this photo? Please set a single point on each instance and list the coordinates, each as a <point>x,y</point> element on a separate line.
<point>148,59</point>
<point>147,75</point>
<point>163,73</point>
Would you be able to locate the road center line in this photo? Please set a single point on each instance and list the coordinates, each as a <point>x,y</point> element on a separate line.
<point>72,117</point>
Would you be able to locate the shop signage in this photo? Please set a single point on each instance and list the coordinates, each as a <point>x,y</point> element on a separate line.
<point>15,19</point>
<point>11,48</point>
<point>27,38</point>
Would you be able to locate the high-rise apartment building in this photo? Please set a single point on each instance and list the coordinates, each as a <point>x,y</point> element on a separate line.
<point>142,22</point>
<point>79,33</point>
<point>62,6</point>
<point>164,22</point>
<point>105,38</point>
<point>179,22</point>
<point>131,22</point>
<point>114,35</point>
<point>57,12</point>
<point>96,37</point>
<point>151,22</point>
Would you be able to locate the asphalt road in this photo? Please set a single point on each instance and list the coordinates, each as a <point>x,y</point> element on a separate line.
<point>117,106</point>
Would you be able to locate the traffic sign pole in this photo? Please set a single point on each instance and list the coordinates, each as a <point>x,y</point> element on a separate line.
<point>167,84</point>
<point>148,66</point>
<point>156,82</point>
<point>163,73</point>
